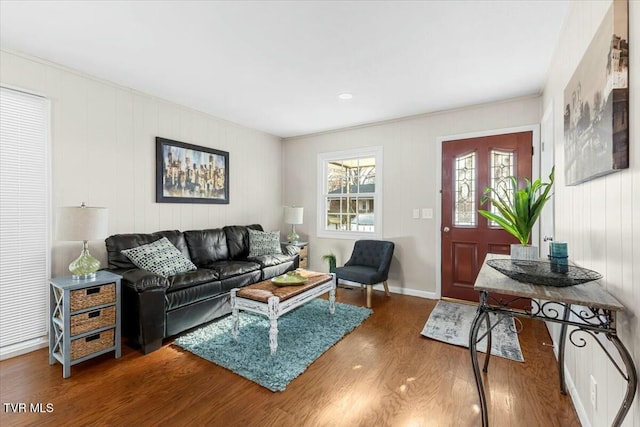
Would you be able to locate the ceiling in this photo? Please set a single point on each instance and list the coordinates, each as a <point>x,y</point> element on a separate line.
<point>279,66</point>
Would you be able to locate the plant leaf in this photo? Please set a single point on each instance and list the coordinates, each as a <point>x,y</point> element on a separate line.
<point>519,209</point>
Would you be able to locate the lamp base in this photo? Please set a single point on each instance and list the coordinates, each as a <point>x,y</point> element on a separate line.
<point>85,266</point>
<point>80,277</point>
<point>293,237</point>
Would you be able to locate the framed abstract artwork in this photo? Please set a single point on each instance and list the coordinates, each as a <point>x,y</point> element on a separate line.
<point>596,103</point>
<point>188,173</point>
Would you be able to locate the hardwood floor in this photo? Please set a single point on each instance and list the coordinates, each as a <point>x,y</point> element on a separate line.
<point>382,374</point>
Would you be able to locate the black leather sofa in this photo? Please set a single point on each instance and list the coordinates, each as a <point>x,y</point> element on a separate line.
<point>155,307</point>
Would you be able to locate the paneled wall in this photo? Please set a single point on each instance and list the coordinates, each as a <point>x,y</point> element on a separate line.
<point>103,153</point>
<point>600,219</point>
<point>411,180</point>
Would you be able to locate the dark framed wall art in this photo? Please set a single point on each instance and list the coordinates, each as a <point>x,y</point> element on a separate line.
<point>596,103</point>
<point>187,173</point>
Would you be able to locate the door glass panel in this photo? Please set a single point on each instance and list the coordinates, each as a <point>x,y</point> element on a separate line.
<point>502,168</point>
<point>465,190</point>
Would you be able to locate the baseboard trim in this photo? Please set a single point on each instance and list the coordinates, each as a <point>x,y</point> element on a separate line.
<point>393,289</point>
<point>413,292</point>
<point>23,348</point>
<point>571,388</point>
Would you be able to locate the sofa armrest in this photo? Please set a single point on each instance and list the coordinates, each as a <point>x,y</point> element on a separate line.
<point>143,280</point>
<point>143,308</point>
<point>290,250</point>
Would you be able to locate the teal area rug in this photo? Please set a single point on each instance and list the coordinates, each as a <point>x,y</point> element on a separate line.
<point>303,335</point>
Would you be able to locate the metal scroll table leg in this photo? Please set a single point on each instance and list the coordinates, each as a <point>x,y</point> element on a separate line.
<point>561,347</point>
<point>631,377</point>
<point>488,353</point>
<point>473,341</point>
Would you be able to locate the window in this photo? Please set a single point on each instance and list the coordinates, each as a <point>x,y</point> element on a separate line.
<point>24,222</point>
<point>349,189</point>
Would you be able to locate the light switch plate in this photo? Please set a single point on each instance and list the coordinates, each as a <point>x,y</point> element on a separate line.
<point>427,213</point>
<point>416,213</point>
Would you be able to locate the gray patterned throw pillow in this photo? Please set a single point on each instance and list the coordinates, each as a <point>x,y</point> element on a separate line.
<point>160,257</point>
<point>264,243</point>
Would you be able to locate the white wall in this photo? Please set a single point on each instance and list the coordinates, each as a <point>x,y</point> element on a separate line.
<point>411,180</point>
<point>103,153</point>
<point>600,219</point>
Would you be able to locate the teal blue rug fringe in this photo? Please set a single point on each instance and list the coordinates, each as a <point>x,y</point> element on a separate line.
<point>303,335</point>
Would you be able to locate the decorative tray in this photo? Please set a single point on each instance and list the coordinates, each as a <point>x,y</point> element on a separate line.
<point>289,279</point>
<point>544,273</point>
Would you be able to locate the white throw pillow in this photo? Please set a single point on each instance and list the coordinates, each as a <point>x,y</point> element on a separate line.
<point>160,257</point>
<point>264,243</point>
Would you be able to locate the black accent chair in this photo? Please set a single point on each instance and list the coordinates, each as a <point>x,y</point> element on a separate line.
<point>369,265</point>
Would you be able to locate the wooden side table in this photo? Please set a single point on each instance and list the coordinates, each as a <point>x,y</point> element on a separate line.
<point>304,253</point>
<point>85,319</point>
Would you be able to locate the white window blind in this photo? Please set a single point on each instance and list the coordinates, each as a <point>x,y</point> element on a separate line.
<point>24,221</point>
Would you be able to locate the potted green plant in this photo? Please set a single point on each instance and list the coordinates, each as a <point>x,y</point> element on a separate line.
<point>331,259</point>
<point>518,210</point>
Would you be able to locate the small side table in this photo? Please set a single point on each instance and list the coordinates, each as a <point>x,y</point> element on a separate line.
<point>85,319</point>
<point>304,253</point>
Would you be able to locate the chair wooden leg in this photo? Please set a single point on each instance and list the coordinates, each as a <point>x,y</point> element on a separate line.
<point>386,288</point>
<point>369,290</point>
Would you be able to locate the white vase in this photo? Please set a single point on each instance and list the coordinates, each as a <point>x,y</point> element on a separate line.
<point>529,253</point>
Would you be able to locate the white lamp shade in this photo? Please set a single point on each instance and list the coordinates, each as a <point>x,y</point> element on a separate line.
<point>82,223</point>
<point>293,215</point>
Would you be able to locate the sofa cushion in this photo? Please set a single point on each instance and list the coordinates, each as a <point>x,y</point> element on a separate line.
<point>192,294</point>
<point>191,278</point>
<point>238,240</point>
<point>271,260</point>
<point>159,257</point>
<point>263,243</point>
<point>241,280</point>
<point>116,243</point>
<point>207,246</point>
<point>226,269</point>
<point>275,270</point>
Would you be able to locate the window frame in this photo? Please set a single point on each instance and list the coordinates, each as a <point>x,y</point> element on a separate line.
<point>323,159</point>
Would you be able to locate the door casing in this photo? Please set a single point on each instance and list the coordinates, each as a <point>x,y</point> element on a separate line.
<point>535,173</point>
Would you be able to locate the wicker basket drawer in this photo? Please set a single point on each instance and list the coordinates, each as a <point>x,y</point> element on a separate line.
<point>304,251</point>
<point>91,297</point>
<point>91,344</point>
<point>90,320</point>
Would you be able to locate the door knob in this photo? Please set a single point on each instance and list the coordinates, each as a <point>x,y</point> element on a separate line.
<point>548,239</point>
<point>446,229</point>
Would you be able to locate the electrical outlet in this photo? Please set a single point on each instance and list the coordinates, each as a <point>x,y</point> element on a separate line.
<point>594,392</point>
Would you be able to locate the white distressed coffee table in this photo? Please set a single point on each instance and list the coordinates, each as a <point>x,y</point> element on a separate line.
<point>270,300</point>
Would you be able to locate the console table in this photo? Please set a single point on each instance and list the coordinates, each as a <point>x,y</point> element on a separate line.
<point>594,313</point>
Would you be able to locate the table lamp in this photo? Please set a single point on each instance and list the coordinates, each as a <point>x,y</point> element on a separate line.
<point>293,216</point>
<point>82,223</point>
